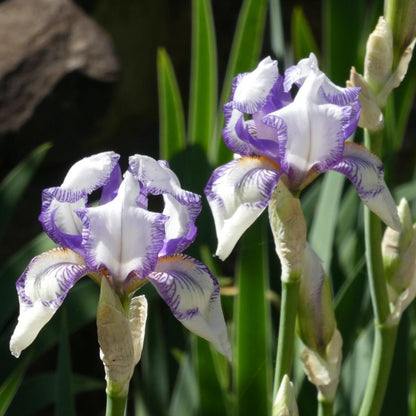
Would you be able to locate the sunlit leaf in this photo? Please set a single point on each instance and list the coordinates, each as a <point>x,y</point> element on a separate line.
<point>244,56</point>
<point>303,40</point>
<point>252,361</point>
<point>15,183</point>
<point>172,137</point>
<point>203,93</point>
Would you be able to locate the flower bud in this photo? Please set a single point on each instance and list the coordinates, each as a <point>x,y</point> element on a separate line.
<point>401,17</point>
<point>371,116</point>
<point>324,372</point>
<point>399,258</point>
<point>285,402</point>
<point>316,318</point>
<point>120,338</point>
<point>379,55</point>
<point>289,230</point>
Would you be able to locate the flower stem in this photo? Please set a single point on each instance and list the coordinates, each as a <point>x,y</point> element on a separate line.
<point>116,405</point>
<point>383,351</point>
<point>325,407</point>
<point>385,332</point>
<point>286,339</point>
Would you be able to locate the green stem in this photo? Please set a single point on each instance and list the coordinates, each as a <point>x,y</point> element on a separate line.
<point>287,324</point>
<point>385,333</point>
<point>116,406</point>
<point>325,407</point>
<point>383,351</point>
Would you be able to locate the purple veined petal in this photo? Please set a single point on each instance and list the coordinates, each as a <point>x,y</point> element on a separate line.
<point>253,88</point>
<point>90,173</point>
<point>237,193</point>
<point>110,189</point>
<point>193,295</point>
<point>122,237</point>
<point>58,215</point>
<point>249,137</point>
<point>366,173</point>
<point>233,138</point>
<point>181,207</point>
<point>296,74</point>
<point>310,136</point>
<point>42,288</point>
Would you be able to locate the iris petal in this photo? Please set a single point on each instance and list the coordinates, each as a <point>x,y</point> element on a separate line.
<point>253,88</point>
<point>193,295</point>
<point>181,207</point>
<point>121,236</point>
<point>42,288</point>
<point>237,193</point>
<point>59,216</point>
<point>366,173</point>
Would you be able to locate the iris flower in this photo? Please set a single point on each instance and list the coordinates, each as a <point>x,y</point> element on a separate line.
<point>122,241</point>
<point>275,137</point>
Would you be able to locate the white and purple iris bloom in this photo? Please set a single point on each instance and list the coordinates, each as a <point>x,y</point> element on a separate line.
<point>122,241</point>
<point>275,137</point>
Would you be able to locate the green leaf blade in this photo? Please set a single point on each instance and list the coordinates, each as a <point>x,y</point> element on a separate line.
<point>244,56</point>
<point>172,138</point>
<point>203,90</point>
<point>252,361</point>
<point>15,183</point>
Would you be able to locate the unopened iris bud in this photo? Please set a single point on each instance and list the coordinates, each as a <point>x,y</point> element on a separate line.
<point>120,336</point>
<point>401,16</point>
<point>379,55</point>
<point>285,402</point>
<point>316,317</point>
<point>324,372</point>
<point>317,328</point>
<point>399,258</point>
<point>289,230</point>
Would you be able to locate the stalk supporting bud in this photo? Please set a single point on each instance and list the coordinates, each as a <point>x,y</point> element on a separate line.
<point>120,337</point>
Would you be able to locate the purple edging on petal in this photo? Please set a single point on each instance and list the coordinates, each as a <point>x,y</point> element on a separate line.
<point>47,215</point>
<point>282,136</point>
<point>110,189</point>
<point>72,273</point>
<point>168,291</point>
<point>266,182</point>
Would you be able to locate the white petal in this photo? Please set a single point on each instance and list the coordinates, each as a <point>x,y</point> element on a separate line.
<point>181,207</point>
<point>90,173</point>
<point>42,289</point>
<point>366,173</point>
<point>254,87</point>
<point>121,236</point>
<point>193,295</point>
<point>237,193</point>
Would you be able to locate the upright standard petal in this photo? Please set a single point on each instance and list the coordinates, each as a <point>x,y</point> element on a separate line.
<point>251,89</point>
<point>193,295</point>
<point>122,237</point>
<point>181,207</point>
<point>59,216</point>
<point>237,193</point>
<point>366,173</point>
<point>311,131</point>
<point>90,173</point>
<point>41,289</point>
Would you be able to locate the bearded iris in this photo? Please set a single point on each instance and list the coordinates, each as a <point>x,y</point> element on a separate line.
<point>275,137</point>
<point>122,241</point>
